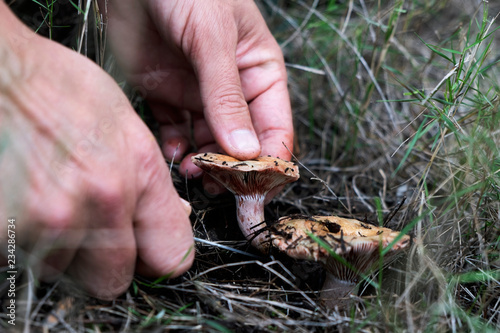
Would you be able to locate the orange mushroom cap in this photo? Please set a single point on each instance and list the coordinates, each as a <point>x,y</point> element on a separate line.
<point>247,177</point>
<point>359,243</point>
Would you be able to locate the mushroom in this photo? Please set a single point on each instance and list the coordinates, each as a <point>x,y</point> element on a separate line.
<point>249,181</point>
<point>358,244</point>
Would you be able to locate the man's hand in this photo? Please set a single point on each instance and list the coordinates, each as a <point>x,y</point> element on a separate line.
<point>80,172</point>
<point>212,61</point>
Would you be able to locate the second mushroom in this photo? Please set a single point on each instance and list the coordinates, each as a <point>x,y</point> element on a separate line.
<point>358,249</point>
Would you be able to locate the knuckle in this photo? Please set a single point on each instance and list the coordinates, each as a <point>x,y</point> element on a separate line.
<point>107,194</point>
<point>60,217</point>
<point>110,195</point>
<point>152,166</point>
<point>148,153</point>
<point>52,212</point>
<point>229,101</point>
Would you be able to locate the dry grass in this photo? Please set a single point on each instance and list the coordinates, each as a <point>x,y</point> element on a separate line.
<point>380,116</point>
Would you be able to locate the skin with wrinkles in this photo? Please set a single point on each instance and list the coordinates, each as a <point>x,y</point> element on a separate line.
<point>78,207</point>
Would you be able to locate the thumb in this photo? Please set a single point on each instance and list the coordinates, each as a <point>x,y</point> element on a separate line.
<point>226,111</point>
<point>162,227</point>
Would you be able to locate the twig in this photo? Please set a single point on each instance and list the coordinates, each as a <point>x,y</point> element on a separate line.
<point>214,244</point>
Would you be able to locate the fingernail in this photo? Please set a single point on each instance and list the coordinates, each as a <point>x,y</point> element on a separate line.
<point>244,141</point>
<point>187,206</point>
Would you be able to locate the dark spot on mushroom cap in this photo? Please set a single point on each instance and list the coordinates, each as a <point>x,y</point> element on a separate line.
<point>333,227</point>
<point>333,238</point>
<point>365,225</point>
<point>342,242</point>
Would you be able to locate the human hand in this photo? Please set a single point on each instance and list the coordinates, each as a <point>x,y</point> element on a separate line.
<point>80,172</point>
<point>212,61</point>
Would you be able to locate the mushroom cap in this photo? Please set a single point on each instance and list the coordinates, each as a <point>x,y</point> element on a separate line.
<point>250,177</point>
<point>358,243</point>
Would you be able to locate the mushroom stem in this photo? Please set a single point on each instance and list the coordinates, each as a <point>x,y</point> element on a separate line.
<point>250,212</point>
<point>336,292</point>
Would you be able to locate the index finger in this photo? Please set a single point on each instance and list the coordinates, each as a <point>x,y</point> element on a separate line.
<point>264,84</point>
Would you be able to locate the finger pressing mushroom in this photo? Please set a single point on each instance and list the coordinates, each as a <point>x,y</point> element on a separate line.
<point>358,244</point>
<point>249,181</point>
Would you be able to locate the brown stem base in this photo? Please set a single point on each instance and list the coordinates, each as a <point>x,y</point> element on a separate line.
<point>336,293</point>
